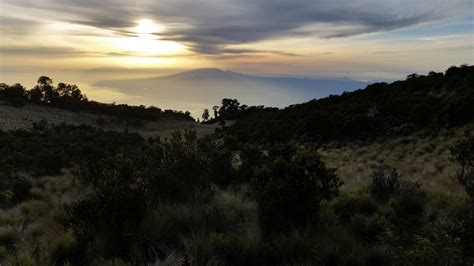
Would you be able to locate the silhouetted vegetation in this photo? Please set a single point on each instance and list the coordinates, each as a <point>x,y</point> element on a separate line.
<point>70,97</point>
<point>420,102</point>
<point>78,195</point>
<point>463,154</point>
<point>289,191</point>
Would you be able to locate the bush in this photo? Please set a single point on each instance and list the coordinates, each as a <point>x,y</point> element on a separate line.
<point>347,207</point>
<point>463,154</point>
<point>464,230</point>
<point>368,229</point>
<point>379,255</point>
<point>289,191</point>
<point>9,237</point>
<point>127,187</point>
<point>409,208</point>
<point>64,249</point>
<point>385,184</point>
<point>14,188</point>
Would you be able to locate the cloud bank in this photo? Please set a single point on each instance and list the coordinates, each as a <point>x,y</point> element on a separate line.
<point>210,26</point>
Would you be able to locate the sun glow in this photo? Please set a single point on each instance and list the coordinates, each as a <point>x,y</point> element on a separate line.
<point>147,26</point>
<point>146,41</point>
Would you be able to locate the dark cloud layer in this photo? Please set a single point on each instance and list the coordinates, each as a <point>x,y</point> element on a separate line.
<point>208,26</point>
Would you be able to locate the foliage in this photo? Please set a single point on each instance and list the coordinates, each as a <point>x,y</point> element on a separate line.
<point>289,191</point>
<point>77,195</point>
<point>13,188</point>
<point>47,149</point>
<point>70,97</point>
<point>463,154</point>
<point>205,115</point>
<point>420,102</point>
<point>385,184</point>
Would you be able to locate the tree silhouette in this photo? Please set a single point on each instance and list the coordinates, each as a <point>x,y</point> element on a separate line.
<point>229,107</point>
<point>46,90</point>
<point>215,108</point>
<point>205,115</point>
<point>13,91</point>
<point>68,90</point>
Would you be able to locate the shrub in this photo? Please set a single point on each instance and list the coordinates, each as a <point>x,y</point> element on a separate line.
<point>9,237</point>
<point>379,255</point>
<point>112,220</point>
<point>103,224</point>
<point>64,249</point>
<point>224,248</point>
<point>3,252</point>
<point>368,229</point>
<point>409,208</point>
<point>14,188</point>
<point>385,183</point>
<point>464,230</point>
<point>347,207</point>
<point>289,191</point>
<point>463,154</point>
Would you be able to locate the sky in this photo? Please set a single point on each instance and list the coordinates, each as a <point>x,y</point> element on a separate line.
<point>84,41</point>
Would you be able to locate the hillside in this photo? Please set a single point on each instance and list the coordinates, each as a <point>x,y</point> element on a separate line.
<point>20,108</point>
<point>432,102</point>
<point>98,184</point>
<point>13,118</point>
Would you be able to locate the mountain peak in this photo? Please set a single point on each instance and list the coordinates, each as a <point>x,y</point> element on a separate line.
<point>202,73</point>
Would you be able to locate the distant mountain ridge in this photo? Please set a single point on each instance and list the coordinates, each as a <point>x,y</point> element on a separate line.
<point>338,85</point>
<point>207,86</point>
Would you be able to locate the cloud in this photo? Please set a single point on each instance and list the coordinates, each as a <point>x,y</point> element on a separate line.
<point>445,38</point>
<point>210,26</point>
<point>38,51</point>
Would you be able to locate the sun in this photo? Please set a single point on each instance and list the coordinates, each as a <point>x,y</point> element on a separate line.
<point>146,41</point>
<point>147,26</point>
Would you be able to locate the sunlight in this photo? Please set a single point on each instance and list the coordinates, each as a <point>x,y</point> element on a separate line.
<point>147,26</point>
<point>147,45</point>
<point>146,42</point>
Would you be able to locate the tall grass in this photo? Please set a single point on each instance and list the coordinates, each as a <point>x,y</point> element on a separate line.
<point>423,158</point>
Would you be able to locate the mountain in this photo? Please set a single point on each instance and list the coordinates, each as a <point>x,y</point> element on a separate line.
<point>202,88</point>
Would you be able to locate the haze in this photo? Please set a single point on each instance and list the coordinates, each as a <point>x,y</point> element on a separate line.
<point>89,42</point>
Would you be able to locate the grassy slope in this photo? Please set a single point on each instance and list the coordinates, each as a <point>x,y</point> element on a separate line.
<point>37,231</point>
<point>23,117</point>
<point>420,157</point>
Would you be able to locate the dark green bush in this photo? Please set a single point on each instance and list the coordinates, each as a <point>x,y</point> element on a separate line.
<point>463,154</point>
<point>128,186</point>
<point>409,208</point>
<point>385,184</point>
<point>14,188</point>
<point>289,191</point>
<point>347,207</point>
<point>379,255</point>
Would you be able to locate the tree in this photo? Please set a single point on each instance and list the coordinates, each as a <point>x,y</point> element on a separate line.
<point>229,107</point>
<point>215,108</point>
<point>205,114</point>
<point>413,76</point>
<point>35,95</point>
<point>68,90</point>
<point>14,91</point>
<point>320,126</point>
<point>46,89</point>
